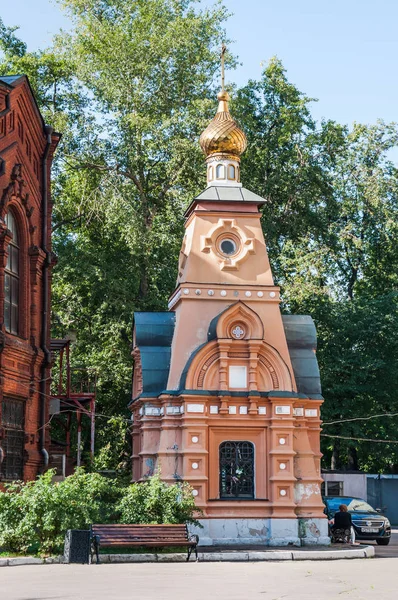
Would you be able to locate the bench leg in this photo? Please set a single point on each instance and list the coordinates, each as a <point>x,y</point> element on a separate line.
<point>95,547</point>
<point>190,549</point>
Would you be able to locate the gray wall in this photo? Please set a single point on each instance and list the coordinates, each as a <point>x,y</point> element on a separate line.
<point>354,484</point>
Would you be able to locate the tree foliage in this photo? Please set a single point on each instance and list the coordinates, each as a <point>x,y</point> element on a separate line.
<point>330,222</point>
<point>156,502</point>
<point>34,516</point>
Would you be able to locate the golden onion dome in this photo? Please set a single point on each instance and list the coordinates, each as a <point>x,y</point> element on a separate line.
<point>223,135</point>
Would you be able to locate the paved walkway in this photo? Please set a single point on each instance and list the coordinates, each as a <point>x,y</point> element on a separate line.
<point>353,579</point>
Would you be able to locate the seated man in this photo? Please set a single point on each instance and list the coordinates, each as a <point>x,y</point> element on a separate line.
<point>342,520</point>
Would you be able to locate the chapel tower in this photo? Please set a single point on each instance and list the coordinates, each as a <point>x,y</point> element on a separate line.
<point>226,390</point>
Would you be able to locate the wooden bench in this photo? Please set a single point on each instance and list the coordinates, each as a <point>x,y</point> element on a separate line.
<point>144,536</point>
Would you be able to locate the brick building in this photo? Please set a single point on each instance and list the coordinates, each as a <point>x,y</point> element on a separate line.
<point>26,151</point>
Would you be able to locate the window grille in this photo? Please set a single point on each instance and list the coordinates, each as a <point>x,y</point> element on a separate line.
<point>236,470</point>
<point>12,422</point>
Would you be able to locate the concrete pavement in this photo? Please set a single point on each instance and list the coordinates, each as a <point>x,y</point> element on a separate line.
<point>354,579</point>
<point>387,551</point>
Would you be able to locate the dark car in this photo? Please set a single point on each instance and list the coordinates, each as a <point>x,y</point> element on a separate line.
<point>368,523</point>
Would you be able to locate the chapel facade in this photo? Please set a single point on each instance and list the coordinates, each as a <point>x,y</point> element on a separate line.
<point>26,151</point>
<point>226,389</point>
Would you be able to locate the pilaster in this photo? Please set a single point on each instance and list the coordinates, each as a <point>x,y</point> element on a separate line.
<point>282,453</point>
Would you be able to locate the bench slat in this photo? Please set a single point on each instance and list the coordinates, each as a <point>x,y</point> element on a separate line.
<point>124,525</point>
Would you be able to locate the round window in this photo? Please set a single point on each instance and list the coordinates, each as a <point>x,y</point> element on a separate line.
<point>228,247</point>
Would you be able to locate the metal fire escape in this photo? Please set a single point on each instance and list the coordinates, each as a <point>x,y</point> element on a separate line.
<point>74,396</point>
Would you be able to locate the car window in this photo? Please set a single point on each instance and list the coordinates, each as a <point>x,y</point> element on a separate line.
<point>360,505</point>
<point>353,505</point>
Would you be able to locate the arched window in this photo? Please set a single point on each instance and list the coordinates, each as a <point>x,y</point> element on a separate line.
<point>211,174</point>
<point>231,172</point>
<point>220,172</point>
<point>11,279</point>
<point>236,470</point>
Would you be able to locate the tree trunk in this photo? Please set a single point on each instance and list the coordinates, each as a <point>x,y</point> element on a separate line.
<point>353,459</point>
<point>336,462</point>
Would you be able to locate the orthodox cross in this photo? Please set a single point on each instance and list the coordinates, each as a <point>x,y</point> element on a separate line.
<point>223,50</point>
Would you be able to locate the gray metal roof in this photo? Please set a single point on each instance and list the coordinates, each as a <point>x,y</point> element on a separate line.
<point>153,337</point>
<point>9,79</point>
<point>229,194</point>
<point>218,193</point>
<point>300,334</point>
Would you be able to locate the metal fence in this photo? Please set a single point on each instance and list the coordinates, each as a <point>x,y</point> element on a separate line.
<point>383,493</point>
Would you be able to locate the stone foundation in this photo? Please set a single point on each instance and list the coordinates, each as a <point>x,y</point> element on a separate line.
<point>270,532</point>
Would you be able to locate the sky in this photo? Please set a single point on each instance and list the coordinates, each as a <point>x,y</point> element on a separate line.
<point>342,52</point>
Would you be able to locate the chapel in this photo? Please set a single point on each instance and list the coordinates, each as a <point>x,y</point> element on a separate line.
<point>226,389</point>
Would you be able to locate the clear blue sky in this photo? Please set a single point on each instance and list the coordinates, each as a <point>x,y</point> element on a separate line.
<point>343,52</point>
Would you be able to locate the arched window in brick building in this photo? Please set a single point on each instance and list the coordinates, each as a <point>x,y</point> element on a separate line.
<point>11,279</point>
<point>236,470</point>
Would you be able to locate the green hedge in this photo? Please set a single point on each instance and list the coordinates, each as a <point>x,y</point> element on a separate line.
<point>34,516</point>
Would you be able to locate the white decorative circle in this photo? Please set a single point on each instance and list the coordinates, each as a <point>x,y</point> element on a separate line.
<point>238,332</point>
<point>248,294</point>
<point>195,492</point>
<point>260,294</point>
<point>272,294</point>
<point>195,466</point>
<point>186,291</point>
<point>282,466</point>
<point>223,293</point>
<point>283,492</point>
<point>211,292</point>
<point>282,441</point>
<point>198,292</point>
<point>195,439</point>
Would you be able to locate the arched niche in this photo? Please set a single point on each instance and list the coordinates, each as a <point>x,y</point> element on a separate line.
<point>242,317</point>
<point>217,356</point>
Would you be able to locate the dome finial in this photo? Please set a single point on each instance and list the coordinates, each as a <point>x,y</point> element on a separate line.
<point>223,50</point>
<point>223,140</point>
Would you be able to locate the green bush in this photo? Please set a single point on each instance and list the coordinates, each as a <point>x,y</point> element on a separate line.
<point>156,502</point>
<point>34,516</point>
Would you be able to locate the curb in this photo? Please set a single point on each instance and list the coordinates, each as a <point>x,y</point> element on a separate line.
<point>258,556</point>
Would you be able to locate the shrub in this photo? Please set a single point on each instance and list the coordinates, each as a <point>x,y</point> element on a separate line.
<point>34,516</point>
<point>156,502</point>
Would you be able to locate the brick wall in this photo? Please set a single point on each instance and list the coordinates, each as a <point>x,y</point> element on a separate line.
<point>23,141</point>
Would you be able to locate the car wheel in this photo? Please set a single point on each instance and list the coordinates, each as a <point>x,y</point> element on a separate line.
<point>383,541</point>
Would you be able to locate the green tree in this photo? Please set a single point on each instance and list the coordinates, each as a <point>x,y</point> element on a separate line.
<point>142,72</point>
<point>330,222</point>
